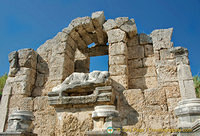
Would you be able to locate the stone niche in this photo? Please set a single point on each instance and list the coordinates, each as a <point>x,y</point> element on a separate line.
<point>83,90</point>
<point>147,78</point>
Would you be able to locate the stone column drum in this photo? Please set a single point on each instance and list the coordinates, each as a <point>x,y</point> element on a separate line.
<point>104,117</point>
<point>188,111</point>
<point>20,124</point>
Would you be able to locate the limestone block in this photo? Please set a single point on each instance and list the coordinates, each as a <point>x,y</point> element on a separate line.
<point>62,48</point>
<point>85,23</point>
<point>73,124</point>
<point>162,45</point>
<point>79,41</point>
<point>129,27</point>
<point>55,73</point>
<point>119,48</point>
<point>121,20</point>
<point>165,54</point>
<point>45,50</point>
<point>149,61</point>
<point>157,55</point>
<point>98,50</point>
<point>13,59</point>
<point>148,50</point>
<point>133,41</point>
<point>172,91</point>
<point>27,58</point>
<point>156,123</point>
<point>13,72</point>
<point>120,83</point>
<point>61,68</point>
<point>23,82</point>
<point>135,98</point>
<point>85,36</point>
<point>109,24</point>
<point>166,70</point>
<point>138,83</point>
<point>21,102</point>
<point>71,43</point>
<point>172,104</point>
<point>143,83</point>
<point>98,18</point>
<point>80,54</point>
<point>142,72</point>
<point>182,60</point>
<point>187,89</point>
<point>13,55</point>
<point>67,40</point>
<point>57,60</point>
<point>179,51</point>
<point>151,82</point>
<point>162,35</point>
<point>40,80</point>
<point>45,122</point>
<point>79,21</point>
<point>135,52</point>
<point>82,65</point>
<point>145,39</point>
<point>135,63</point>
<point>101,36</point>
<point>40,103</point>
<point>65,36</point>
<point>184,72</point>
<point>152,97</point>
<point>118,70</point>
<point>117,60</point>
<point>42,66</point>
<point>116,35</point>
<point>37,91</point>
<point>67,30</point>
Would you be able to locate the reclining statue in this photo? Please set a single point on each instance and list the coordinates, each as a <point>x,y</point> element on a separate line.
<point>79,81</point>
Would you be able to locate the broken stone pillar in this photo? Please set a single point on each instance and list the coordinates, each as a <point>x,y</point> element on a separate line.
<point>106,121</point>
<point>184,74</point>
<point>20,124</point>
<point>188,109</point>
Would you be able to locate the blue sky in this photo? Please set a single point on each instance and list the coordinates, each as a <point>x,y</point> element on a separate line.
<point>29,23</point>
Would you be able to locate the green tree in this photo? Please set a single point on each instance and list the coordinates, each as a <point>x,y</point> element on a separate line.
<point>2,82</point>
<point>197,85</point>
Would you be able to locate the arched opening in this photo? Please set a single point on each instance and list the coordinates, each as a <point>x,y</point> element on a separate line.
<point>95,57</point>
<point>98,57</point>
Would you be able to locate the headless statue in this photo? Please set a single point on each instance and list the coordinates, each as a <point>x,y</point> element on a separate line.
<point>76,79</point>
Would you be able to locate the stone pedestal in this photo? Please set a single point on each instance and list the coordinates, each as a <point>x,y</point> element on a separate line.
<point>106,121</point>
<point>188,111</point>
<point>20,124</point>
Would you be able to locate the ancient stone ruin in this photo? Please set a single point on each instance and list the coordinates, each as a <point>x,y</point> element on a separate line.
<point>148,89</point>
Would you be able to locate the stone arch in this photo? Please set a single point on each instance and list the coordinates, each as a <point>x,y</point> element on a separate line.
<point>84,31</point>
<point>70,48</point>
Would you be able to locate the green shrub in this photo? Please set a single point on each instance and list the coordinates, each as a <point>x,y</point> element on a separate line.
<point>2,82</point>
<point>197,85</point>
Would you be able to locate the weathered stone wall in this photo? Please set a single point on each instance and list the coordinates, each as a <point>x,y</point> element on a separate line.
<point>145,74</point>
